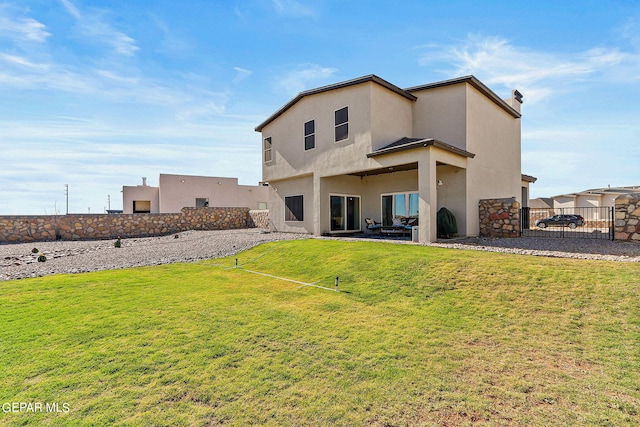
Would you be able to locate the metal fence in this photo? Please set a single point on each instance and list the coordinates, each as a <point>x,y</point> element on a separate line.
<point>582,223</point>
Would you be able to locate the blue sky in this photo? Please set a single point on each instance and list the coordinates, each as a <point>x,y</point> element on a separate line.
<point>97,94</point>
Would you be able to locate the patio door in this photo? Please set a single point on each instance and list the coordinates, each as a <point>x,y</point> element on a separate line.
<point>345,213</point>
<point>399,206</point>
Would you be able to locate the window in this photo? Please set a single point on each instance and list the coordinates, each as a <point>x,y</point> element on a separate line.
<point>342,123</point>
<point>202,202</point>
<point>141,206</point>
<point>399,206</point>
<point>310,135</point>
<point>293,208</point>
<point>345,213</point>
<point>267,150</point>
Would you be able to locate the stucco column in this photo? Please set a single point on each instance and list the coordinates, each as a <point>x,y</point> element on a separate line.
<point>428,197</point>
<point>317,198</point>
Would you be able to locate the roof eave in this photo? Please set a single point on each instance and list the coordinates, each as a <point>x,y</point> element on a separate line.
<point>431,142</point>
<point>370,78</point>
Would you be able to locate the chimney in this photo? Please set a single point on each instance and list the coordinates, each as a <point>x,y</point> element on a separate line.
<point>516,100</point>
<point>144,181</point>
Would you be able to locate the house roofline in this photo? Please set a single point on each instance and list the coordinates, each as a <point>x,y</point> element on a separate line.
<point>528,178</point>
<point>473,81</point>
<point>365,79</point>
<point>413,143</point>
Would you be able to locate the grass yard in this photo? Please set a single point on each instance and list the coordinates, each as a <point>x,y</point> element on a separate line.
<point>417,336</point>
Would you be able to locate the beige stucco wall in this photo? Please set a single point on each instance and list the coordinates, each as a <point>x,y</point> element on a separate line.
<point>377,117</point>
<point>142,193</point>
<point>278,190</point>
<point>588,201</point>
<point>450,190</point>
<point>391,117</point>
<point>564,202</point>
<point>440,113</point>
<point>493,135</point>
<point>525,194</point>
<point>178,191</point>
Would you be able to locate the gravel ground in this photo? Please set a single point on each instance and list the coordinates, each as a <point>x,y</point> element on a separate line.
<point>17,261</point>
<point>553,247</point>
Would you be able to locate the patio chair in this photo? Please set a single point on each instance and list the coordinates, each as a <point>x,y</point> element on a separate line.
<point>373,225</point>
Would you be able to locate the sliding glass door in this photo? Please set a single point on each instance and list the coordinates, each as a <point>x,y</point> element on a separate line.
<point>399,208</point>
<point>345,213</point>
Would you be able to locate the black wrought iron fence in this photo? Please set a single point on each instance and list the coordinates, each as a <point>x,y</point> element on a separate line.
<point>583,223</point>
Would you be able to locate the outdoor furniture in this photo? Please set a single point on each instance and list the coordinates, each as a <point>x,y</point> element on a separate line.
<point>401,227</point>
<point>373,225</point>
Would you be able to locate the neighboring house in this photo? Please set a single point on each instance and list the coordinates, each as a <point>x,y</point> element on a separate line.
<point>178,191</point>
<point>593,204</point>
<point>541,203</point>
<point>366,148</point>
<point>593,198</point>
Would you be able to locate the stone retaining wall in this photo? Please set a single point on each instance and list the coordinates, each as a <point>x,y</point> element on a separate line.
<point>499,217</point>
<point>259,218</point>
<point>627,218</point>
<point>19,229</point>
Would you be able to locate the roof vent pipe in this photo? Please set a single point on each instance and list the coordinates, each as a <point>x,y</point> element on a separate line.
<point>144,181</point>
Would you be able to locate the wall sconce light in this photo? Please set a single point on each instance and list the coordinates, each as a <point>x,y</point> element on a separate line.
<point>182,181</point>
<point>439,182</point>
<point>219,183</point>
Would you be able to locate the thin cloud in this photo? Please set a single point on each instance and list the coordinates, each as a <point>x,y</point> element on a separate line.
<point>21,29</point>
<point>92,26</point>
<point>299,80</point>
<point>171,42</point>
<point>241,74</point>
<point>22,62</point>
<point>497,62</point>
<point>71,8</point>
<point>293,8</point>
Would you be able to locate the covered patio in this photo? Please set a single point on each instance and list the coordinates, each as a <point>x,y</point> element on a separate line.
<point>412,180</point>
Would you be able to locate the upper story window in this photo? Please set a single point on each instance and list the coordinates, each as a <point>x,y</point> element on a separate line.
<point>268,156</point>
<point>310,135</point>
<point>342,123</point>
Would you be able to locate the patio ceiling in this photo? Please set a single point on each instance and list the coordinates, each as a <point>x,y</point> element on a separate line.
<point>391,169</point>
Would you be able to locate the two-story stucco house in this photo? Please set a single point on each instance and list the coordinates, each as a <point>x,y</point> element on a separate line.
<point>365,148</point>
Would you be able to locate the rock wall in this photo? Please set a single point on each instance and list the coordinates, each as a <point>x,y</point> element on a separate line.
<point>258,218</point>
<point>19,229</point>
<point>499,217</point>
<point>627,218</point>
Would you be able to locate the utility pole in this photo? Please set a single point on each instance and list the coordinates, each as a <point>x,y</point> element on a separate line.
<point>66,192</point>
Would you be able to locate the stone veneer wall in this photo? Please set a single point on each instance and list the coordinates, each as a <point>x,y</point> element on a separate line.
<point>258,218</point>
<point>19,229</point>
<point>627,218</point>
<point>499,217</point>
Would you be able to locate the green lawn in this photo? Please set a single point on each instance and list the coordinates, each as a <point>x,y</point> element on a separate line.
<point>417,336</point>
